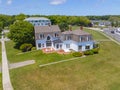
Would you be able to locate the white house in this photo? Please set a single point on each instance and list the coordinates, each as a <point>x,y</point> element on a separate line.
<point>48,37</point>
<point>77,40</point>
<point>52,37</point>
<point>38,21</point>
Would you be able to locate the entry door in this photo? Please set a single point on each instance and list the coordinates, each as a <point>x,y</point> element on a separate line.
<point>48,42</point>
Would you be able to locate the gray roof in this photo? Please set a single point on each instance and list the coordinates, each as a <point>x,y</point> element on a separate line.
<point>57,41</point>
<point>76,32</point>
<point>36,18</point>
<point>43,29</point>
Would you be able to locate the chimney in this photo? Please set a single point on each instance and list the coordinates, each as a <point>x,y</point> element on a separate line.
<point>70,27</point>
<point>81,27</point>
<point>49,26</point>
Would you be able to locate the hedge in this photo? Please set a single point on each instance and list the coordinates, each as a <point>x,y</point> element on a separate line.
<point>25,47</point>
<point>77,54</point>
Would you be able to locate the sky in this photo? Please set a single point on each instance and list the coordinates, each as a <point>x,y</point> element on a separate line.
<point>60,7</point>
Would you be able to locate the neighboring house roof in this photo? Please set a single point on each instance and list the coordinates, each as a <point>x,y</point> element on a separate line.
<point>43,29</point>
<point>76,32</point>
<point>36,18</point>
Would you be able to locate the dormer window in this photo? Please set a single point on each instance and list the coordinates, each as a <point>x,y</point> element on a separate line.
<point>82,38</point>
<point>68,37</point>
<point>41,36</point>
<point>48,38</point>
<point>56,35</point>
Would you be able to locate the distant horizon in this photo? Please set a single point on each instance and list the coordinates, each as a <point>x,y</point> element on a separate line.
<point>57,14</point>
<point>60,7</point>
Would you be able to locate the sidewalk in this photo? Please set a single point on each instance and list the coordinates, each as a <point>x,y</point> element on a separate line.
<point>5,71</point>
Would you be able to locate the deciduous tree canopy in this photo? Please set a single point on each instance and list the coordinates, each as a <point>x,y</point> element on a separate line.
<point>22,32</point>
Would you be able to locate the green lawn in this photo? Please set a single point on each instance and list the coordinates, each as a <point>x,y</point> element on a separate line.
<point>15,56</point>
<point>0,65</point>
<point>95,72</point>
<point>0,53</point>
<point>0,81</point>
<point>95,34</point>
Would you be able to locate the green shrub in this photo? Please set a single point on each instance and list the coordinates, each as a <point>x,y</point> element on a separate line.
<point>25,47</point>
<point>88,52</point>
<point>77,54</point>
<point>95,50</point>
<point>33,48</point>
<point>97,45</point>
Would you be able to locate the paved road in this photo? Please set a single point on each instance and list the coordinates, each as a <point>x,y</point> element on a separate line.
<point>108,36</point>
<point>5,71</point>
<point>115,36</point>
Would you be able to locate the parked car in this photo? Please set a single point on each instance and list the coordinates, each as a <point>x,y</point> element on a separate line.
<point>112,32</point>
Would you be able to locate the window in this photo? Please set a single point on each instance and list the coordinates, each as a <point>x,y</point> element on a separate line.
<point>46,23</point>
<point>68,37</point>
<point>36,21</point>
<point>43,20</point>
<point>42,24</point>
<point>80,47</point>
<point>60,46</point>
<point>67,45</point>
<point>56,35</point>
<point>82,38</point>
<point>89,38</point>
<point>48,38</point>
<point>48,43</point>
<point>42,45</point>
<point>87,47</point>
<point>57,46</point>
<point>39,45</point>
<point>41,36</point>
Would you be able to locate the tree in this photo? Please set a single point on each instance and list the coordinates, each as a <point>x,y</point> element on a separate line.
<point>115,21</point>
<point>22,32</point>
<point>63,26</point>
<point>1,26</point>
<point>20,16</point>
<point>6,20</point>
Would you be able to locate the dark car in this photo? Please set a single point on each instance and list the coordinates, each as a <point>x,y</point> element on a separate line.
<point>112,32</point>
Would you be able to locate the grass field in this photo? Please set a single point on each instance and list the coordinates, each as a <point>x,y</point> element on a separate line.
<point>0,53</point>
<point>95,72</point>
<point>0,73</point>
<point>15,55</point>
<point>0,81</point>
